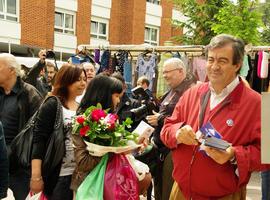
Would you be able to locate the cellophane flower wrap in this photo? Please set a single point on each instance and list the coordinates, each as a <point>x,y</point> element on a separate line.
<point>99,127</point>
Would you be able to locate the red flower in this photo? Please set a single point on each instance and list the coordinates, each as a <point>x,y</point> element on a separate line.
<point>80,119</point>
<point>111,120</point>
<point>84,130</point>
<point>97,114</point>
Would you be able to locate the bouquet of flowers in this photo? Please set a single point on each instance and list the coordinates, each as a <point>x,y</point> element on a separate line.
<point>103,133</point>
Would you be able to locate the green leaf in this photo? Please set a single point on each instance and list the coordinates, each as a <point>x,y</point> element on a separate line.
<point>117,134</point>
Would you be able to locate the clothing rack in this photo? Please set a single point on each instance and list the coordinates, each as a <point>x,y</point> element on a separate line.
<point>145,47</point>
<point>259,48</point>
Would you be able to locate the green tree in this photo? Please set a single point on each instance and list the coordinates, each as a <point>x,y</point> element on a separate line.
<point>200,17</point>
<point>264,8</point>
<point>241,19</point>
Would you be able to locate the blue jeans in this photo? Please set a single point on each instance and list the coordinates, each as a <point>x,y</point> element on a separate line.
<point>265,185</point>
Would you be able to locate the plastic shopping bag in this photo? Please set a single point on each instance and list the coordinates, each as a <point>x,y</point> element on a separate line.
<point>38,196</point>
<point>92,186</point>
<point>120,180</point>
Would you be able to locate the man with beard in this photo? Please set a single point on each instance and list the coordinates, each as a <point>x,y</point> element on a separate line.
<point>42,74</point>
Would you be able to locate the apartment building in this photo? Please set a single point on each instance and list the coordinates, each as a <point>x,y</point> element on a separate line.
<point>62,25</point>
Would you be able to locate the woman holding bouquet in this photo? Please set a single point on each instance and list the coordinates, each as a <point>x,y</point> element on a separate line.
<point>105,91</point>
<point>69,83</point>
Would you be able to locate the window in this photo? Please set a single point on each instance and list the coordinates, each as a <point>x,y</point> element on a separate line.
<point>151,35</point>
<point>8,10</point>
<point>154,1</point>
<point>99,30</point>
<point>64,23</point>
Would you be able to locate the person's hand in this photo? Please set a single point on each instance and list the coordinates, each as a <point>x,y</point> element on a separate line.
<point>186,135</point>
<point>144,143</point>
<point>42,55</point>
<point>36,185</point>
<point>153,119</point>
<point>219,156</point>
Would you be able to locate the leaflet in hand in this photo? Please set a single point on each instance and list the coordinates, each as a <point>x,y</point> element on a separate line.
<point>144,129</point>
<point>209,136</point>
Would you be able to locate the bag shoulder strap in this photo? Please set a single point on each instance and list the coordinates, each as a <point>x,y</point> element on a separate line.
<point>59,112</point>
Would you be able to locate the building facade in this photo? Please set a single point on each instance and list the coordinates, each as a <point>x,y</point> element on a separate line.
<point>62,25</point>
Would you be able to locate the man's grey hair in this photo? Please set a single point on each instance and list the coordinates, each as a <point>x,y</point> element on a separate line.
<point>177,62</point>
<point>86,63</point>
<point>11,62</point>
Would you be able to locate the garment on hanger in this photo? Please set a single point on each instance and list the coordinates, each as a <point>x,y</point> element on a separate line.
<point>146,66</point>
<point>256,81</point>
<point>245,67</point>
<point>259,64</point>
<point>105,61</point>
<point>264,65</point>
<point>128,74</point>
<point>162,87</point>
<point>121,58</point>
<point>199,68</point>
<point>97,56</point>
<point>249,75</point>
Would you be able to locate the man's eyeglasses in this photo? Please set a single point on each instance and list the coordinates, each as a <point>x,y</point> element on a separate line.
<point>168,71</point>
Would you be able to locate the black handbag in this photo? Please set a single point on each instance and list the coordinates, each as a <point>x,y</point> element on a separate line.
<point>21,146</point>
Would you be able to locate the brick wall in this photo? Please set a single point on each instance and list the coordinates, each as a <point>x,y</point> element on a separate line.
<point>165,32</point>
<point>114,22</point>
<point>176,32</point>
<point>37,23</point>
<point>83,21</point>
<point>127,22</point>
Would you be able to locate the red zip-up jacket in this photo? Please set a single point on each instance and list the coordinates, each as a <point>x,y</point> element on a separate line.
<point>238,119</point>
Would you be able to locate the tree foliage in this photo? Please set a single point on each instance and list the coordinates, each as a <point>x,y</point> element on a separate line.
<point>241,19</point>
<point>264,8</point>
<point>213,17</point>
<point>200,16</point>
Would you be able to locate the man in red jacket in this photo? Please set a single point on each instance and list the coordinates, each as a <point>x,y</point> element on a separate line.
<point>234,110</point>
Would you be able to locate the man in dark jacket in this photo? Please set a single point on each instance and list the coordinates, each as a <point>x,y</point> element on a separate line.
<point>175,75</point>
<point>46,69</point>
<point>3,165</point>
<point>18,102</point>
<point>126,104</point>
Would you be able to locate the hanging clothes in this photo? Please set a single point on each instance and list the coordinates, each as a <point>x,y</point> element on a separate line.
<point>146,66</point>
<point>199,68</point>
<point>105,61</point>
<point>121,58</point>
<point>259,63</point>
<point>258,84</point>
<point>245,67</point>
<point>162,87</point>
<point>97,56</point>
<point>264,65</point>
<point>128,74</point>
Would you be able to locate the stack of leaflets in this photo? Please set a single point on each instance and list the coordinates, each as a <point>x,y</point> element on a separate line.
<point>209,136</point>
<point>144,130</point>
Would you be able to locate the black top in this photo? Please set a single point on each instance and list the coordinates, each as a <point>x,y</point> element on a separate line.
<point>43,127</point>
<point>3,165</point>
<point>169,101</point>
<point>9,112</point>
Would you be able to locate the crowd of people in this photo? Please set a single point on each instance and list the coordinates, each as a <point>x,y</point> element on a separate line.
<point>181,166</point>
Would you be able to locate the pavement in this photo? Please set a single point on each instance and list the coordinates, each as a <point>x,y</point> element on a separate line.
<point>254,187</point>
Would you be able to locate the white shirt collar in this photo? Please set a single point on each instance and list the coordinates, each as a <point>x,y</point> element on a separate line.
<point>215,98</point>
